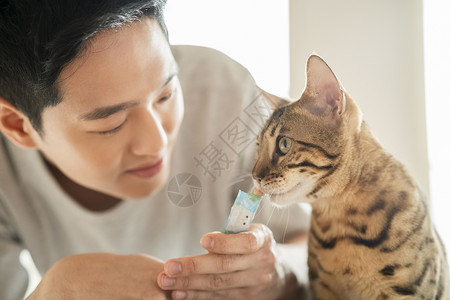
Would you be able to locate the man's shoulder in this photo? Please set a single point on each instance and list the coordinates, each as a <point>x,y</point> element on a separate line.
<point>5,159</point>
<point>192,54</point>
<point>10,190</point>
<point>8,171</point>
<point>14,163</point>
<point>201,66</point>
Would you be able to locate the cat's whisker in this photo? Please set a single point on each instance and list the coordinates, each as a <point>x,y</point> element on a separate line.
<point>287,223</point>
<point>270,217</point>
<point>261,207</point>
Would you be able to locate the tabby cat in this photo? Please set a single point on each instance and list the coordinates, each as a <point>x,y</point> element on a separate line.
<point>371,236</point>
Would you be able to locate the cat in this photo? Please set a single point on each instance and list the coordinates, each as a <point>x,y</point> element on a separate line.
<point>371,235</point>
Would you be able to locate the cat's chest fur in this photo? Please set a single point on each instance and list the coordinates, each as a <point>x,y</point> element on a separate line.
<point>355,243</point>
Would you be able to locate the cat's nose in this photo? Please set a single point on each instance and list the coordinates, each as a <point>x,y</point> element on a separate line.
<point>259,176</point>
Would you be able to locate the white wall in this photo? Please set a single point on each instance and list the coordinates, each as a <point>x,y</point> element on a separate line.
<point>253,32</point>
<point>437,78</point>
<point>376,50</point>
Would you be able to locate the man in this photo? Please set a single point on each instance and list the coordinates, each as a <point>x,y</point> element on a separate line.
<point>102,179</point>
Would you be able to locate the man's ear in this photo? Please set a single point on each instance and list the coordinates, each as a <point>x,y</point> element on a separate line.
<point>15,125</point>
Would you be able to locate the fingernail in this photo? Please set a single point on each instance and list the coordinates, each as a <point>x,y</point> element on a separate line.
<point>207,243</point>
<point>179,295</point>
<point>168,282</point>
<point>173,268</point>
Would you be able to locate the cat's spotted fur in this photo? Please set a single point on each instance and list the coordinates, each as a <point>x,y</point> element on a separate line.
<point>371,235</point>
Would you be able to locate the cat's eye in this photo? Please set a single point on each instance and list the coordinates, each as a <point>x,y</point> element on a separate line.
<point>284,145</point>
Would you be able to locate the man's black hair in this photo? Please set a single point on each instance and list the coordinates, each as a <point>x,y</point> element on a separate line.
<point>38,38</point>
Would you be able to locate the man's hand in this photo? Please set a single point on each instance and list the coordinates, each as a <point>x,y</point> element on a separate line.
<point>102,276</point>
<point>238,266</point>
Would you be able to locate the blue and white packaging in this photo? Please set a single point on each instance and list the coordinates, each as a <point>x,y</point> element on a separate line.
<point>242,212</point>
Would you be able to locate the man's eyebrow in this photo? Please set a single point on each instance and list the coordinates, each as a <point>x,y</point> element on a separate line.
<point>171,76</point>
<point>106,111</point>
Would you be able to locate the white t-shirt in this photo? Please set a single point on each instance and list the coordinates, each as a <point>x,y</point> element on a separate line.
<point>212,159</point>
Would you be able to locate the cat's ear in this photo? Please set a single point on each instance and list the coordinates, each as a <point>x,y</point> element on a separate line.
<point>273,101</point>
<point>323,94</point>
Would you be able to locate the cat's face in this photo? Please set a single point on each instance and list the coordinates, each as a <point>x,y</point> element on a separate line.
<point>302,143</point>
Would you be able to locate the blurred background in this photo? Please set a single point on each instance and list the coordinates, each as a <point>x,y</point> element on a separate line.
<point>392,56</point>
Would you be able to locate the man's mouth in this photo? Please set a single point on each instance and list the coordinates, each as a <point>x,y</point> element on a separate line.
<point>148,170</point>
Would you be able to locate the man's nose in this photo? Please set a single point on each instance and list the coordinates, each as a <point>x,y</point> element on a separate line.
<point>149,136</point>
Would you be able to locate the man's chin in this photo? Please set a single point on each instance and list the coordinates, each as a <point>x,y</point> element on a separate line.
<point>144,191</point>
<point>138,189</point>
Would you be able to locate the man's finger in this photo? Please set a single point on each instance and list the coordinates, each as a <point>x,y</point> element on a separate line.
<point>214,263</point>
<point>214,282</point>
<point>239,243</point>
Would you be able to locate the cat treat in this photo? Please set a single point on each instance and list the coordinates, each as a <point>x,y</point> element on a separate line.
<point>242,212</point>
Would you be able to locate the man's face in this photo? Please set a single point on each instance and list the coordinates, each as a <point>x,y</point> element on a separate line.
<point>122,106</point>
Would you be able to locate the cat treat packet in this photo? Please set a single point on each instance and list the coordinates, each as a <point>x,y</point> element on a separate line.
<point>242,212</point>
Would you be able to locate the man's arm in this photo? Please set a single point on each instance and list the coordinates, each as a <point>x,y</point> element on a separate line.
<point>102,276</point>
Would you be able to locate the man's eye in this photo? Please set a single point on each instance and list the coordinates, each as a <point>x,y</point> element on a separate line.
<point>167,96</point>
<point>112,131</point>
